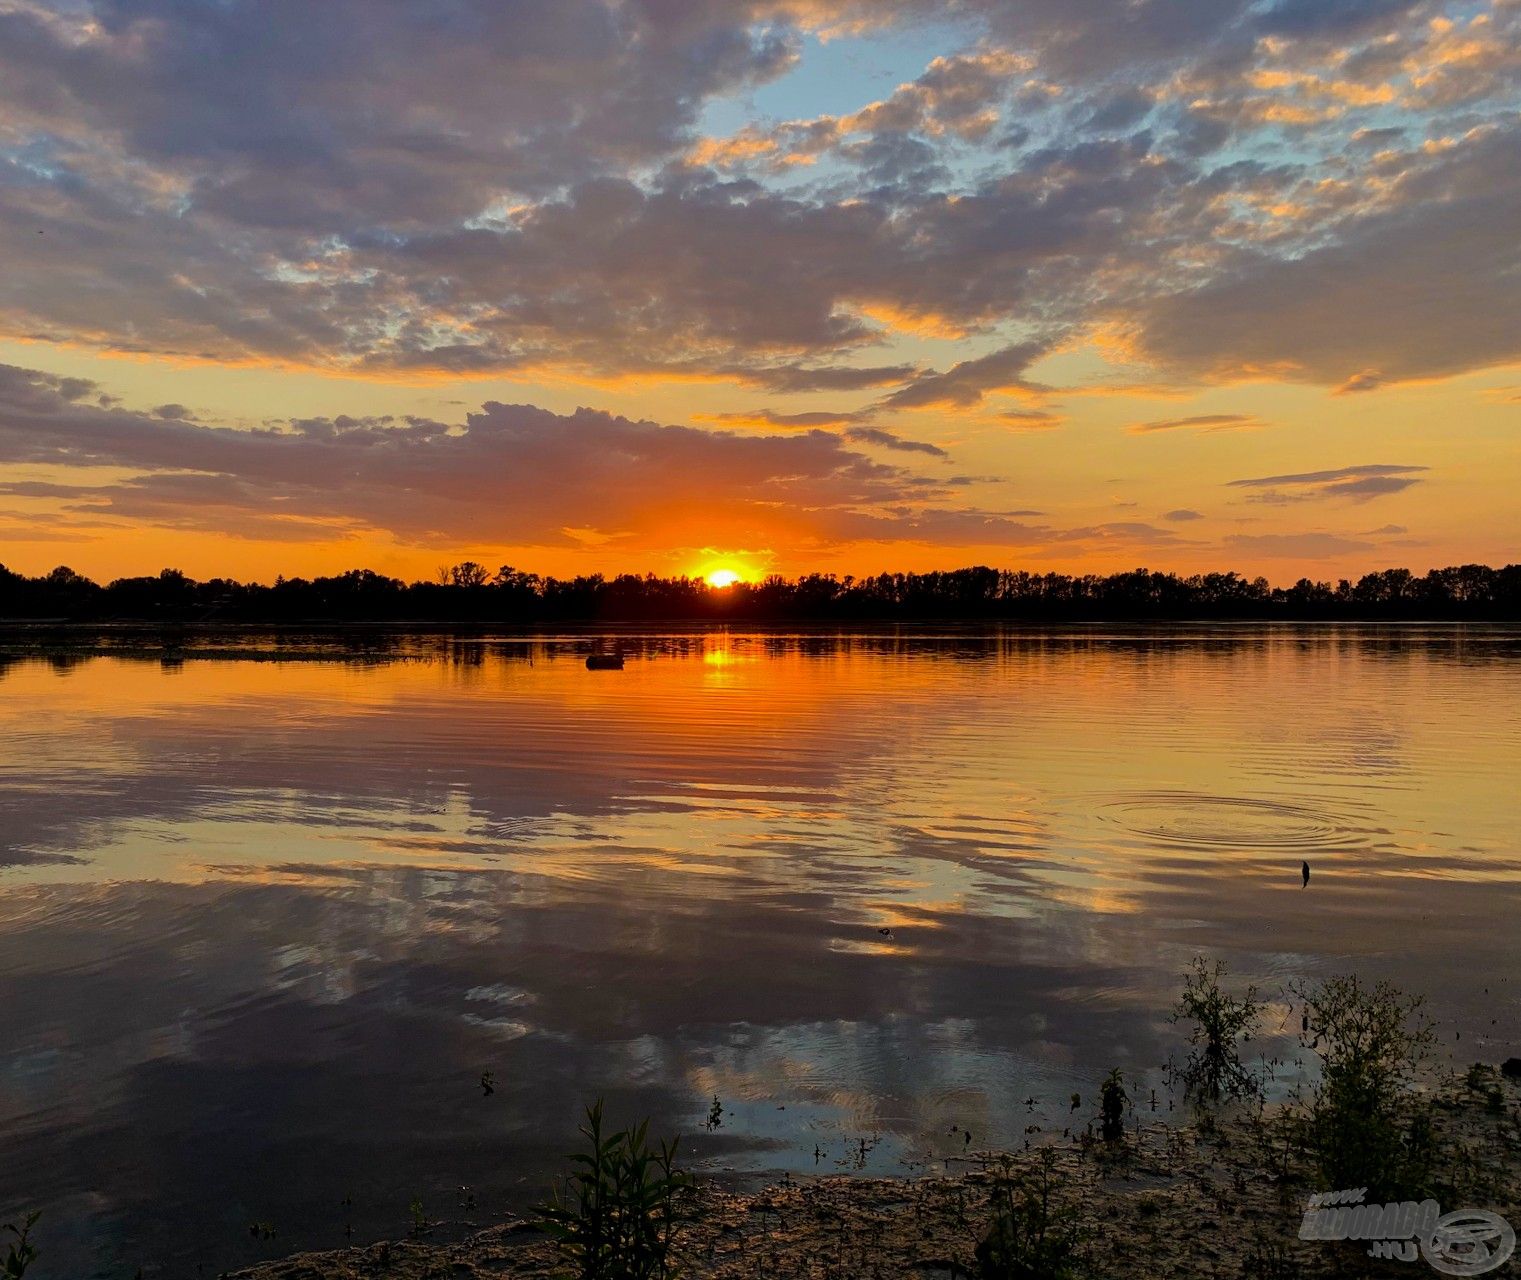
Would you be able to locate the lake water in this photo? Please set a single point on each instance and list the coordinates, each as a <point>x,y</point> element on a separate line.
<point>264,924</point>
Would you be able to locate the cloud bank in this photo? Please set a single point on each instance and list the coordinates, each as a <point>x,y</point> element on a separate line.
<point>1321,192</point>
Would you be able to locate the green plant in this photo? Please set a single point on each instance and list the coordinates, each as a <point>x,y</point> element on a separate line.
<point>419,1217</point>
<point>21,1252</point>
<point>1481,1080</point>
<point>1112,1103</point>
<point>613,1217</point>
<point>1029,1238</point>
<point>1220,1023</point>
<point>1363,1127</point>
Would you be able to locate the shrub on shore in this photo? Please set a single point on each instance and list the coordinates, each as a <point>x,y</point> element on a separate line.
<point>1361,1126</point>
<point>1030,1236</point>
<point>613,1218</point>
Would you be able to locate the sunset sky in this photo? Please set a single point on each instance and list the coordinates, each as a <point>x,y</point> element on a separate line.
<point>781,285</point>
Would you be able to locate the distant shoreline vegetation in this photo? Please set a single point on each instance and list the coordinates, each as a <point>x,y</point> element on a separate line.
<point>471,593</point>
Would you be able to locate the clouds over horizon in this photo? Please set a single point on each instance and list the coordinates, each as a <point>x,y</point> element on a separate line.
<point>507,475</point>
<point>78,464</point>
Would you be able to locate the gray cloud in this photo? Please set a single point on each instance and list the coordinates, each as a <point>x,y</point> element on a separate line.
<point>1358,483</point>
<point>1031,419</point>
<point>1334,474</point>
<point>288,114</point>
<point>887,440</point>
<point>692,277</point>
<point>1425,287</point>
<point>967,383</point>
<point>1297,546</point>
<point>1199,422</point>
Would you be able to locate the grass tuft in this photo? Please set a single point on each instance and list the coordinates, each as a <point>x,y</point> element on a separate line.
<point>614,1216</point>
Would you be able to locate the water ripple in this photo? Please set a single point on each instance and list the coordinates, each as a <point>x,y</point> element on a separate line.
<point>1192,820</point>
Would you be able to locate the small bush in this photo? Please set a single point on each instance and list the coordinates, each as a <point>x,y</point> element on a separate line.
<point>1112,1103</point>
<point>1481,1080</point>
<point>1221,1024</point>
<point>419,1218</point>
<point>1363,1127</point>
<point>613,1218</point>
<point>1029,1238</point>
<point>21,1252</point>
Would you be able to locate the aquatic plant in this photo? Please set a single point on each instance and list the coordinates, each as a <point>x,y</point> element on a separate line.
<point>21,1252</point>
<point>1221,1023</point>
<point>1480,1078</point>
<point>1362,1127</point>
<point>614,1216</point>
<point>1030,1237</point>
<point>1112,1103</point>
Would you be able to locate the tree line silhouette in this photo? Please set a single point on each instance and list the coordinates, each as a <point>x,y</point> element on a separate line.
<point>470,593</point>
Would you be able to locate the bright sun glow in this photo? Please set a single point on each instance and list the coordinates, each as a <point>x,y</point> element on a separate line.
<point>722,578</point>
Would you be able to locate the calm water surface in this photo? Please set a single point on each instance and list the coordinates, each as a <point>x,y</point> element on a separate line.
<point>263,924</point>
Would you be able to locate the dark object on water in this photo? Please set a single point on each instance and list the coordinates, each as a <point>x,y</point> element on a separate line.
<point>1511,1067</point>
<point>488,1083</point>
<point>604,662</point>
<point>1304,869</point>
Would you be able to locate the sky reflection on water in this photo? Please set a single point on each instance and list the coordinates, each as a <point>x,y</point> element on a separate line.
<point>264,923</point>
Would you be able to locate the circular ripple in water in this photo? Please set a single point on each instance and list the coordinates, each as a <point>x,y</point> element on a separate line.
<point>1189,820</point>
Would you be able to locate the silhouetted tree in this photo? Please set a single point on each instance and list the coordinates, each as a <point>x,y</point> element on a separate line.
<point>468,592</point>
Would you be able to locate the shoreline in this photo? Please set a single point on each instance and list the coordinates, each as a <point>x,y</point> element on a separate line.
<point>1212,1198</point>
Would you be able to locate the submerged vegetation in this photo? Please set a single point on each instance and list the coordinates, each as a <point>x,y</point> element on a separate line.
<point>470,592</point>
<point>1221,1024</point>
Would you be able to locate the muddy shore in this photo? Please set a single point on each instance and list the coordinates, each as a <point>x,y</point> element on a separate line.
<point>1219,1197</point>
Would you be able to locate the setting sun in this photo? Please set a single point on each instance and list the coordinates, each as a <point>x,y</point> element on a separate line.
<point>721,577</point>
